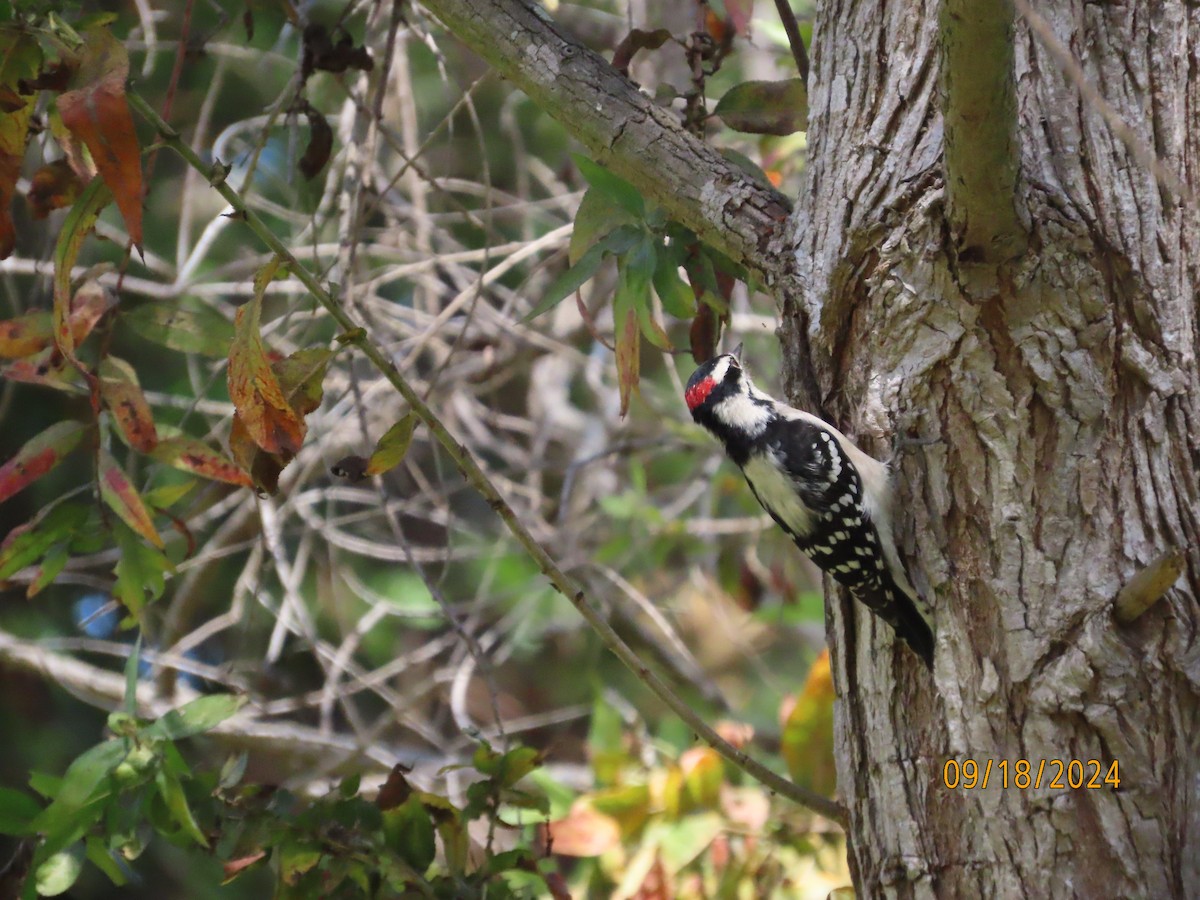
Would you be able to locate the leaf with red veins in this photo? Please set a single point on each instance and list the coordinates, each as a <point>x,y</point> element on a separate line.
<point>196,457</point>
<point>95,111</point>
<point>122,497</point>
<point>38,456</point>
<point>124,398</point>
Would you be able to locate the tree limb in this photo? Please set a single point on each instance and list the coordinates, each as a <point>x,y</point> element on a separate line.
<point>626,130</point>
<point>474,475</point>
<point>982,158</point>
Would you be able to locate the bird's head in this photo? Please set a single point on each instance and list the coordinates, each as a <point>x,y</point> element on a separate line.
<point>719,379</point>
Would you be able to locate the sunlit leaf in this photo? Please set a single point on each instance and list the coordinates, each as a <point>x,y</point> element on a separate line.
<point>96,112</point>
<point>584,831</point>
<point>58,873</point>
<point>122,497</point>
<point>262,408</point>
<point>392,447</point>
<point>20,58</point>
<point>703,774</point>
<point>766,107</point>
<point>806,739</point>
<point>38,456</point>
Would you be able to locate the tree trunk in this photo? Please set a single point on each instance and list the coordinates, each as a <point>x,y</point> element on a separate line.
<point>1063,393</point>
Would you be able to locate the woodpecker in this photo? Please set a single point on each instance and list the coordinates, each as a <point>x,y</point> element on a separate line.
<point>831,498</point>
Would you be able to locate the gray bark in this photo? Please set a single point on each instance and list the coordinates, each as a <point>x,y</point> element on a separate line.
<point>1064,393</point>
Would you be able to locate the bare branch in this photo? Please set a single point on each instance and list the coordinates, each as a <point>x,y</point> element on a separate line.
<point>625,129</point>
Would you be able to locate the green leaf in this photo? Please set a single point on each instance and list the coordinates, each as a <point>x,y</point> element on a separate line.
<point>614,187</point>
<point>199,715</point>
<point>173,796</point>
<point>183,326</point>
<point>392,447</point>
<point>596,217</point>
<point>141,571</point>
<point>27,543</point>
<point>17,812</point>
<point>677,298</point>
<point>408,832</point>
<point>766,107</point>
<point>81,781</point>
<point>53,563</point>
<point>56,875</point>
<point>637,270</point>
<point>102,858</point>
<point>617,241</point>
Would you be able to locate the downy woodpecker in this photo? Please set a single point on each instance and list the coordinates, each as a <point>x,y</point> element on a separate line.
<point>829,496</point>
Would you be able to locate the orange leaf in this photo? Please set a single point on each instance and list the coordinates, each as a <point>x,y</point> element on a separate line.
<point>197,457</point>
<point>97,113</point>
<point>124,398</point>
<point>123,498</point>
<point>25,335</point>
<point>806,740</point>
<point>53,186</point>
<point>263,409</point>
<point>20,58</point>
<point>584,831</point>
<point>235,867</point>
<point>38,456</point>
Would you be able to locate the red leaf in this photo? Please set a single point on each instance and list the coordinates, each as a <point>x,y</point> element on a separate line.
<point>96,112</point>
<point>38,456</point>
<point>235,867</point>
<point>123,498</point>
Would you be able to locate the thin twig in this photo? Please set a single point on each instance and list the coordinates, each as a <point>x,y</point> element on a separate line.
<point>795,41</point>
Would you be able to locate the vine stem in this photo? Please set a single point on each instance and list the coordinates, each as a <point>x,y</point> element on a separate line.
<point>475,476</point>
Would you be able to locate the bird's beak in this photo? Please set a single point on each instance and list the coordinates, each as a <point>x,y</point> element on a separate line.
<point>736,352</point>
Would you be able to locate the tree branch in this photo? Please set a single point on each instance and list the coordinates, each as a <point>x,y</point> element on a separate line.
<point>982,159</point>
<point>626,130</point>
<point>474,475</point>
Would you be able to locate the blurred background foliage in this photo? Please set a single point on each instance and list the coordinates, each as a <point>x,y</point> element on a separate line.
<point>393,619</point>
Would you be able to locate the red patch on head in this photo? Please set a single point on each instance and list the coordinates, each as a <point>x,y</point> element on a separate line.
<point>698,392</point>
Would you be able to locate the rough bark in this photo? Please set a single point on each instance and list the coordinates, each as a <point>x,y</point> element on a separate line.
<point>1064,393</point>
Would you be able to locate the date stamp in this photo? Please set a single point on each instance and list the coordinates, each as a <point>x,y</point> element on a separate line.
<point>1026,774</point>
